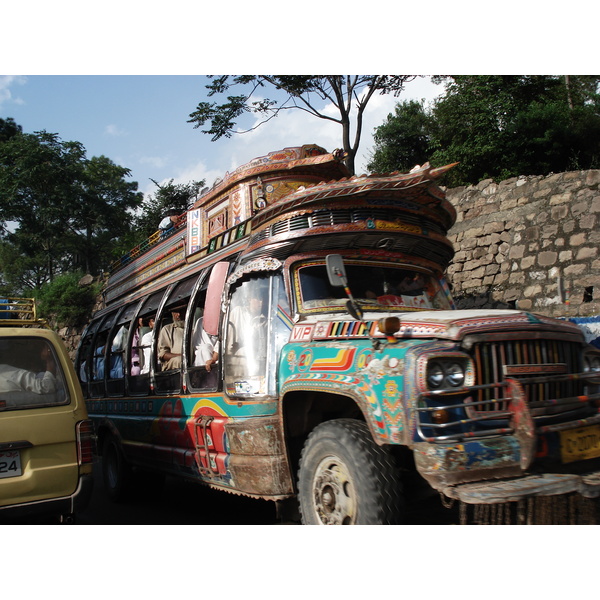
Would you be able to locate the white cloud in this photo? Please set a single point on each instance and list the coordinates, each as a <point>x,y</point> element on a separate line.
<point>158,162</point>
<point>114,131</point>
<point>6,95</point>
<point>192,172</point>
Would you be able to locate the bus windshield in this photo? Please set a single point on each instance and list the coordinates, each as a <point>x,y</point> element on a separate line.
<point>374,287</point>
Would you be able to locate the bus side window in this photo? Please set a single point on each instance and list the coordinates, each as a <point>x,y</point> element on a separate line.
<point>204,350</point>
<point>98,358</point>
<point>117,350</point>
<point>141,346</point>
<point>169,351</point>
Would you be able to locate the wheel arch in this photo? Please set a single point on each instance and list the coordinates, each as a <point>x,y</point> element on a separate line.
<point>304,409</point>
<point>106,429</point>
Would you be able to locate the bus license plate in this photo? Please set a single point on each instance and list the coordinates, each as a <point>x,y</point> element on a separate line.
<point>10,464</point>
<point>580,444</point>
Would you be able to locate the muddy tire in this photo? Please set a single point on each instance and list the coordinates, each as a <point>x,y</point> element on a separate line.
<point>345,478</point>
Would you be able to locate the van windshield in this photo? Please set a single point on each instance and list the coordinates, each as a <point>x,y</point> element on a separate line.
<point>30,374</point>
<point>375,287</point>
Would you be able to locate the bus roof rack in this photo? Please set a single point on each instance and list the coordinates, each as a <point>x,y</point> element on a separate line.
<point>18,312</point>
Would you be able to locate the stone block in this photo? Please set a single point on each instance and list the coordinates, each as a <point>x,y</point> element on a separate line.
<point>547,259</point>
<point>579,208</point>
<point>493,227</point>
<point>578,239</point>
<point>565,256</point>
<point>587,222</point>
<point>575,270</point>
<point>592,178</point>
<point>586,253</point>
<point>527,262</point>
<point>516,252</point>
<point>559,212</point>
<point>560,198</point>
<point>524,304</point>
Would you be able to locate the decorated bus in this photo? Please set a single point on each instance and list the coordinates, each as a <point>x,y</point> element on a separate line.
<point>292,338</point>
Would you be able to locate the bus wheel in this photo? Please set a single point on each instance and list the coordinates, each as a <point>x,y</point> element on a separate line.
<point>115,471</point>
<point>345,478</point>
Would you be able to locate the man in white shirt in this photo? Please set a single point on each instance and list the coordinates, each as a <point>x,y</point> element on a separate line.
<point>15,379</point>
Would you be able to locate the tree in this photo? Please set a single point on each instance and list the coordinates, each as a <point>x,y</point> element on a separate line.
<point>501,126</point>
<point>403,140</point>
<point>103,216</point>
<point>176,197</point>
<point>302,92</point>
<point>39,179</point>
<point>8,129</point>
<point>58,210</point>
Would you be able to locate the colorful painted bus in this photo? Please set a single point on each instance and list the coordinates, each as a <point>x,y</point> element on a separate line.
<point>292,338</point>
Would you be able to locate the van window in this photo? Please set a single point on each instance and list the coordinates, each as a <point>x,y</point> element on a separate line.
<point>30,374</point>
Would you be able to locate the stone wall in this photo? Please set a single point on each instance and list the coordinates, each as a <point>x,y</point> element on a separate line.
<point>530,243</point>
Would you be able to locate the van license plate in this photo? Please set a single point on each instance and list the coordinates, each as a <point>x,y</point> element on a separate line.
<point>580,444</point>
<point>10,464</point>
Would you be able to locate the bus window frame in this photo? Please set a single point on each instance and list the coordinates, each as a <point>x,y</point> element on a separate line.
<point>116,386</point>
<point>189,369</point>
<point>172,380</point>
<point>96,386</point>
<point>141,384</point>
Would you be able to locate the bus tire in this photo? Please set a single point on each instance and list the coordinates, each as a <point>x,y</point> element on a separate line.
<point>116,472</point>
<point>345,478</point>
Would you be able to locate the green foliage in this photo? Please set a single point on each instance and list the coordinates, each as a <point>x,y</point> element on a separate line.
<point>403,140</point>
<point>170,197</point>
<point>63,302</point>
<point>309,93</point>
<point>59,211</point>
<point>8,128</point>
<point>499,126</point>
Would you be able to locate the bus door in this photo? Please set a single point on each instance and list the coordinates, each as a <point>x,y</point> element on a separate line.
<point>140,346</point>
<point>258,325</point>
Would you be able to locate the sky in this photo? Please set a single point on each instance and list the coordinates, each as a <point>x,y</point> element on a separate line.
<point>123,81</point>
<point>140,122</point>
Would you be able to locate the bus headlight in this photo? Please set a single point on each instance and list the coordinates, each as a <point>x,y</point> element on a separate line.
<point>445,374</point>
<point>435,375</point>
<point>591,364</point>
<point>455,375</point>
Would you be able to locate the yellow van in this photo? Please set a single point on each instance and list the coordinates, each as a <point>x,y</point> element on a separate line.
<point>46,441</point>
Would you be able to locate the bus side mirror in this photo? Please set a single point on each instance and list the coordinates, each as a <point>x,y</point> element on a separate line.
<point>336,270</point>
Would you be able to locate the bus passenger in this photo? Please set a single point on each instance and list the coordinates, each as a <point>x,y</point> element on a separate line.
<point>170,341</point>
<point>146,344</point>
<point>205,346</point>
